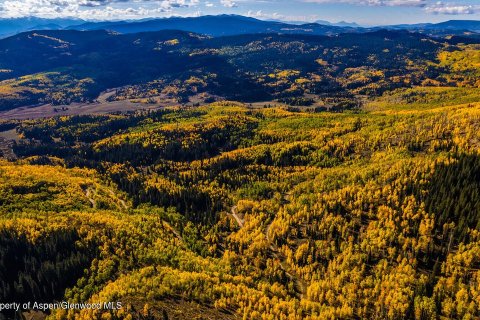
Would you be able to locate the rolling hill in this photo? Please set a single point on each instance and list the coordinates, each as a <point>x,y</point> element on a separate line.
<point>69,65</point>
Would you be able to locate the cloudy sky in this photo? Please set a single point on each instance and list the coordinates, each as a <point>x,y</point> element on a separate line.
<point>365,12</point>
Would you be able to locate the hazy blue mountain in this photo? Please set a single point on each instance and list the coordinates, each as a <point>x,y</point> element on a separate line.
<point>339,24</point>
<point>16,25</point>
<point>454,27</point>
<point>221,25</point>
<point>321,22</point>
<point>471,25</point>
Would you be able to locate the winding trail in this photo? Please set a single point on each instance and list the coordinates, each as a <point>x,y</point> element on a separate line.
<point>173,230</point>
<point>233,213</point>
<point>91,190</point>
<point>122,202</point>
<point>88,194</point>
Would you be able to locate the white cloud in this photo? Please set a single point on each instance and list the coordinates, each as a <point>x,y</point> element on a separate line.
<point>131,9</point>
<point>260,14</point>
<point>384,3</point>
<point>228,3</point>
<point>91,9</point>
<point>429,6</point>
<point>452,9</point>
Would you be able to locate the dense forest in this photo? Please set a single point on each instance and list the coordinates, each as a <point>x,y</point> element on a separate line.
<point>230,211</point>
<point>342,183</point>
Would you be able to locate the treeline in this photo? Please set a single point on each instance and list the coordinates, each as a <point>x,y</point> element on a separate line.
<point>43,269</point>
<point>454,195</point>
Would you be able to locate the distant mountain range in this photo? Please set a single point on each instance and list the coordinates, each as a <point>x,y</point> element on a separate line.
<point>221,25</point>
<point>14,26</point>
<point>339,24</point>
<point>226,25</point>
<point>466,25</point>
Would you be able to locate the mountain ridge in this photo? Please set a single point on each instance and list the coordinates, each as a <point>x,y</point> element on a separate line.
<point>226,25</point>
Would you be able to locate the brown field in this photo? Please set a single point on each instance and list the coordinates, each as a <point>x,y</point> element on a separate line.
<point>10,135</point>
<point>46,111</point>
<point>100,106</point>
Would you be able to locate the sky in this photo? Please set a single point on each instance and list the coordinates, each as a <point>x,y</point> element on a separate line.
<point>364,12</point>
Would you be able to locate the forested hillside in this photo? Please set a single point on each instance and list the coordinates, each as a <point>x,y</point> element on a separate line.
<point>329,72</point>
<point>229,211</point>
<point>257,175</point>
